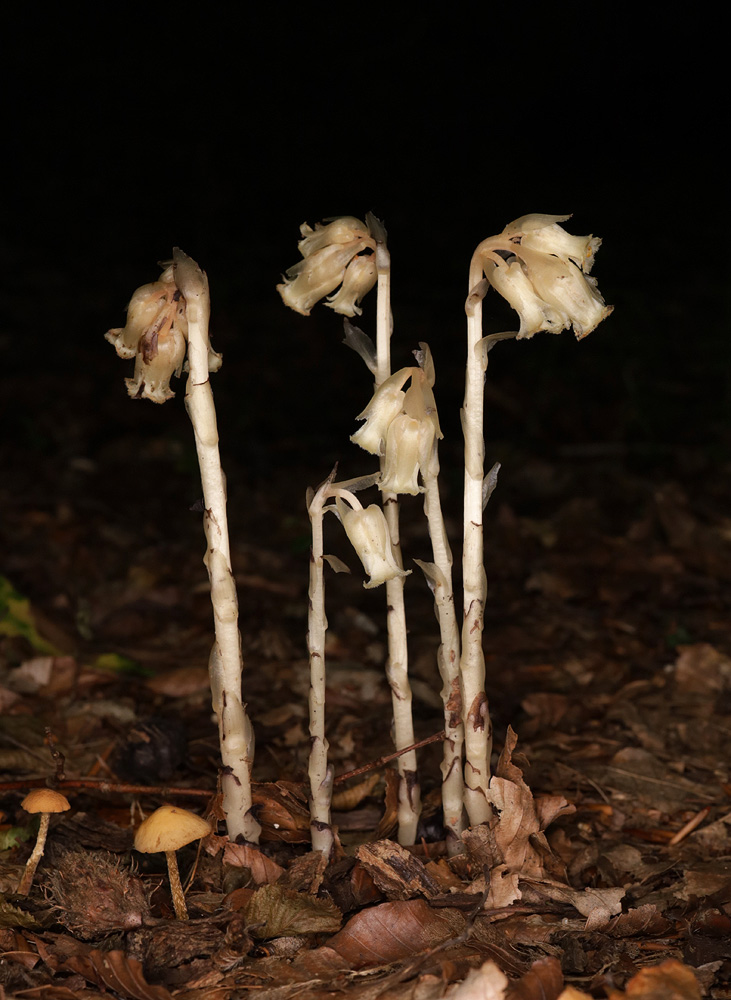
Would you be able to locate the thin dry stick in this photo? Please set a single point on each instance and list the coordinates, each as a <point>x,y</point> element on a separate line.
<point>397,667</point>
<point>387,758</point>
<point>225,665</point>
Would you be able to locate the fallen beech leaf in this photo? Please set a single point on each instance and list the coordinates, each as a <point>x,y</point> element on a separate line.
<point>571,993</point>
<point>281,812</point>
<point>485,983</point>
<point>543,981</point>
<point>597,905</point>
<point>264,871</point>
<point>285,913</point>
<point>645,920</point>
<point>512,844</point>
<point>117,972</point>
<point>394,931</point>
<point>181,682</point>
<point>671,980</point>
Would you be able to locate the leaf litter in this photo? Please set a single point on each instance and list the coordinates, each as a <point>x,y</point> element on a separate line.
<point>606,869</point>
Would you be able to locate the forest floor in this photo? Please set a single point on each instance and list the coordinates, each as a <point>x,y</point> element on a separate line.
<point>608,650</point>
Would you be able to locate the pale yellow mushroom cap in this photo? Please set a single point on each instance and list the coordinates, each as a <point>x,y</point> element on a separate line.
<point>168,829</point>
<point>45,800</point>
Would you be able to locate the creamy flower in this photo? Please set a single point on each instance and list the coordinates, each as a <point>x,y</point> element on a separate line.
<point>407,442</point>
<point>385,406</point>
<point>331,257</point>
<point>555,240</point>
<point>360,277</point>
<point>160,356</point>
<point>152,306</point>
<point>346,229</point>
<point>316,276</point>
<point>368,533</point>
<point>563,286</point>
<point>509,278</point>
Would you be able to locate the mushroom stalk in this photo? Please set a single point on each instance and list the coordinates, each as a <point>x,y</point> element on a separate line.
<point>176,888</point>
<point>33,861</point>
<point>226,664</point>
<point>397,667</point>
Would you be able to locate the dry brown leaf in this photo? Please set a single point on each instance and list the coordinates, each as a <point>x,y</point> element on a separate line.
<point>273,911</point>
<point>705,879</point>
<point>263,870</point>
<point>645,920</point>
<point>394,931</point>
<point>485,983</point>
<point>398,874</point>
<point>282,812</point>
<point>671,980</point>
<point>543,981</point>
<point>512,844</point>
<point>597,905</point>
<point>702,669</point>
<point>181,682</point>
<point>117,972</point>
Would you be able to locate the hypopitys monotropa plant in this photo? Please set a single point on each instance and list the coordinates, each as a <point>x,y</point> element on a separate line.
<point>402,425</point>
<point>351,255</point>
<point>163,319</point>
<point>542,271</point>
<point>368,534</point>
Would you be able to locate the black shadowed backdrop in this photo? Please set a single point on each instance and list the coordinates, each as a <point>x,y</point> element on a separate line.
<point>607,540</point>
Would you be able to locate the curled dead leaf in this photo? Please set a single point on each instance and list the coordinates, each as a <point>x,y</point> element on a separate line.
<point>273,911</point>
<point>391,932</point>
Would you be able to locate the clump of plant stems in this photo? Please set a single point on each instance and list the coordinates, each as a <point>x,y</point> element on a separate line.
<point>543,272</point>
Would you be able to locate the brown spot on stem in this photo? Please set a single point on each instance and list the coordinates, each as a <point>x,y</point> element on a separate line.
<point>453,708</point>
<point>478,714</point>
<point>411,778</point>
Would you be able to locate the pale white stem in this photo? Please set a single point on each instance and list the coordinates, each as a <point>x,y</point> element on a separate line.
<point>397,667</point>
<point>226,664</point>
<point>477,726</point>
<point>321,776</point>
<point>440,579</point>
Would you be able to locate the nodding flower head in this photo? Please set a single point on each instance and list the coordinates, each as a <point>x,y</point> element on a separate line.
<point>542,271</point>
<point>385,406</point>
<point>368,533</point>
<point>340,253</point>
<point>405,427</point>
<point>155,334</point>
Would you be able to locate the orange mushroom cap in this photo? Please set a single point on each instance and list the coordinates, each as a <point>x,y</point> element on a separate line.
<point>45,800</point>
<point>168,829</point>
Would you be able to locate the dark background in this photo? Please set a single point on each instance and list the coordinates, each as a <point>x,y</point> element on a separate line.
<point>221,132</point>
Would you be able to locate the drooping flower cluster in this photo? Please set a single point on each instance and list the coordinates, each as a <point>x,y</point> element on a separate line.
<point>156,336</point>
<point>403,426</point>
<point>543,272</point>
<point>341,253</point>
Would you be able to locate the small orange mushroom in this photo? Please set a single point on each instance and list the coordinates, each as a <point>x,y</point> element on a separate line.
<point>44,801</point>
<point>167,830</point>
